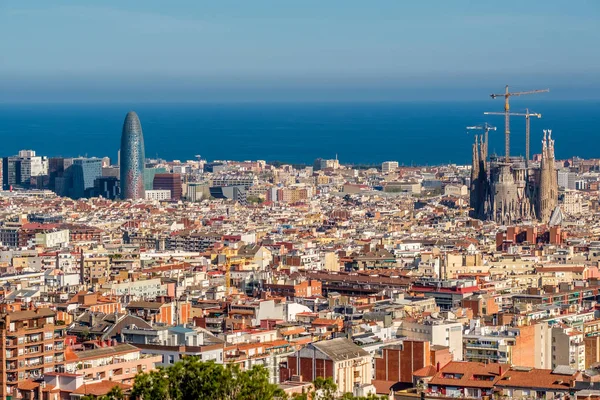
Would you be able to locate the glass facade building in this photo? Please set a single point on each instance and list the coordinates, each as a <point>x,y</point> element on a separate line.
<point>132,158</point>
<point>84,173</point>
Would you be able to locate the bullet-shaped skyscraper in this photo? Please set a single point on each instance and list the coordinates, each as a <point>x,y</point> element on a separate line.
<point>132,158</point>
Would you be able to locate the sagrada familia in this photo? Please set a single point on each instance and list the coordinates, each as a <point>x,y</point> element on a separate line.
<point>515,190</point>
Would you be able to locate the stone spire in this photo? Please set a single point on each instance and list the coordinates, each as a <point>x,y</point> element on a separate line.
<point>548,179</point>
<point>475,184</point>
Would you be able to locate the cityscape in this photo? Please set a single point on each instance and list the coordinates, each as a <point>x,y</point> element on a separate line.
<point>128,276</point>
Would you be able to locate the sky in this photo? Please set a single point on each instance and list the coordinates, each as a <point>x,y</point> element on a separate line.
<point>263,50</point>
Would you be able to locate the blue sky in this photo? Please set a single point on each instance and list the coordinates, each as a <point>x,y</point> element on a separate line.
<point>274,49</point>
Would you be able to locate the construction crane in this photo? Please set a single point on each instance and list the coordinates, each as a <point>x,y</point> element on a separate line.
<point>527,114</point>
<point>507,95</point>
<point>486,128</point>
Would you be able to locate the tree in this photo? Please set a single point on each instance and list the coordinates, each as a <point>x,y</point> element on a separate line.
<point>194,379</point>
<point>325,389</point>
<point>254,385</point>
<point>116,393</point>
<point>152,385</point>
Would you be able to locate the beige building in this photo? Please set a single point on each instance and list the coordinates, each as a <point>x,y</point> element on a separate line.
<point>118,363</point>
<point>340,359</point>
<point>456,190</point>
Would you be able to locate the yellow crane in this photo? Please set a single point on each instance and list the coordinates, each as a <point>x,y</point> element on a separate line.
<point>526,114</point>
<point>507,95</point>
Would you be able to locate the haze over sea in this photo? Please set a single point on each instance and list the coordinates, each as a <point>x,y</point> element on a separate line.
<point>422,133</point>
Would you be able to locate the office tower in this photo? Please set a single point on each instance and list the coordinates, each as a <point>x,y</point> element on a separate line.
<point>84,173</point>
<point>107,187</point>
<point>149,174</point>
<point>56,169</point>
<point>170,182</point>
<point>19,169</point>
<point>132,158</point>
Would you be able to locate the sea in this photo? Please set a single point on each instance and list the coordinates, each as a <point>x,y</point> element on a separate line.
<point>412,133</point>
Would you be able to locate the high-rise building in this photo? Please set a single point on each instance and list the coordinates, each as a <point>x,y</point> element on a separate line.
<point>84,172</point>
<point>170,182</point>
<point>32,344</point>
<point>56,169</point>
<point>107,187</point>
<point>149,174</point>
<point>17,170</point>
<point>132,158</point>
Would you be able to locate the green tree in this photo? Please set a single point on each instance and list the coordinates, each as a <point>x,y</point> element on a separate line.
<point>325,389</point>
<point>254,385</point>
<point>151,385</point>
<point>116,393</point>
<point>194,379</point>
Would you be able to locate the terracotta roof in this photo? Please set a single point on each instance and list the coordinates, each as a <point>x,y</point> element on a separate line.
<point>383,387</point>
<point>535,378</point>
<point>28,385</point>
<point>325,321</point>
<point>99,389</point>
<point>153,305</point>
<point>466,373</point>
<point>29,314</point>
<point>425,372</point>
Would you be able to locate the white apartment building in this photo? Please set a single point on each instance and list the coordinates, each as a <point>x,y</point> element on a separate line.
<point>437,332</point>
<point>389,166</point>
<point>160,195</point>
<point>52,239</point>
<point>142,289</point>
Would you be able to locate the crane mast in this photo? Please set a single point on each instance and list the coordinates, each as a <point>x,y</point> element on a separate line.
<point>507,95</point>
<point>527,115</point>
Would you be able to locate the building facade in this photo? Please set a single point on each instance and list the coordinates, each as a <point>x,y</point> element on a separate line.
<point>170,182</point>
<point>505,192</point>
<point>132,158</point>
<point>31,345</point>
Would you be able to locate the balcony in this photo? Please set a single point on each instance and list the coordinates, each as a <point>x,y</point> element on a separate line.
<point>485,356</point>
<point>35,339</point>
<point>482,346</point>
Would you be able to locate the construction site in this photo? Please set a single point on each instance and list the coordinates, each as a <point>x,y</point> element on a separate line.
<point>511,189</point>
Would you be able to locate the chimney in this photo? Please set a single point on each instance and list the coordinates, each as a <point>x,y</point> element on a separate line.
<point>500,370</point>
<point>437,368</point>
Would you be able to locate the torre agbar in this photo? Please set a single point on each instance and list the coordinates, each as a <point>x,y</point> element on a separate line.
<point>132,158</point>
